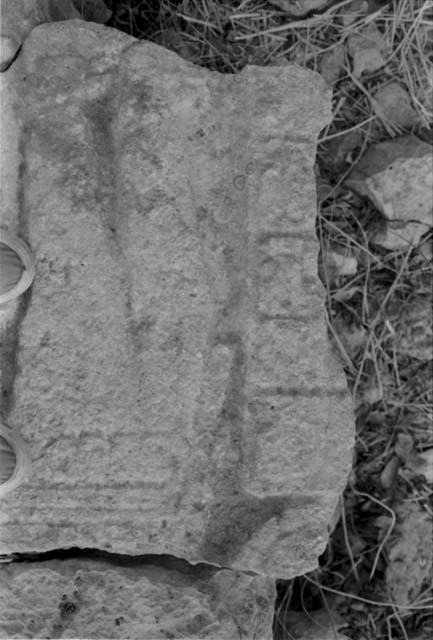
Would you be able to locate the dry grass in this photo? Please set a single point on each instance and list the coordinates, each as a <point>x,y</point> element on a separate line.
<point>386,359</point>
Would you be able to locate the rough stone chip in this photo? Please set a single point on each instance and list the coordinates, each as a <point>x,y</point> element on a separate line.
<point>151,599</point>
<point>173,378</point>
<point>397,176</point>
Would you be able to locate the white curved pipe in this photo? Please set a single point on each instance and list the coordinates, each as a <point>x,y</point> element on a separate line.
<point>26,257</point>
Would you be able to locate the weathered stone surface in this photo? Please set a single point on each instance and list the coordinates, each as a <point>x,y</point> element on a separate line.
<point>162,598</point>
<point>397,176</point>
<point>20,16</point>
<point>174,381</point>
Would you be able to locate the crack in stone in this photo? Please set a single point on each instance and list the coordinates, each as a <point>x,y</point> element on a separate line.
<point>117,559</point>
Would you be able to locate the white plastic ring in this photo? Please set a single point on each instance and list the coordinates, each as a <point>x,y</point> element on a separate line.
<point>25,255</point>
<point>23,460</point>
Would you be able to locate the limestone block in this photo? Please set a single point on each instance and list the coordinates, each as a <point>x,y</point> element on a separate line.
<point>158,598</point>
<point>173,379</point>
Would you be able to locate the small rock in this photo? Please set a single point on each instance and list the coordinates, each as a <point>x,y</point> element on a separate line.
<point>397,176</point>
<point>366,49</point>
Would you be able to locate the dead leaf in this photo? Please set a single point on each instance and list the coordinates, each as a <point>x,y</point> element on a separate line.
<point>366,49</point>
<point>370,393</point>
<point>391,102</point>
<point>331,65</point>
<point>173,40</point>
<point>404,446</point>
<point>353,11</point>
<point>415,332</point>
<point>426,249</point>
<point>93,10</point>
<point>321,624</point>
<point>410,554</point>
<point>390,472</point>
<point>299,8</point>
<point>339,148</point>
<point>425,464</point>
<point>384,524</point>
<point>346,265</point>
<point>352,338</point>
<point>396,239</point>
<point>324,189</point>
<point>336,262</point>
<point>420,463</point>
<point>345,293</point>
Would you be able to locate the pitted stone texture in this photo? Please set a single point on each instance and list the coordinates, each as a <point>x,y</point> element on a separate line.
<point>174,378</point>
<point>164,598</point>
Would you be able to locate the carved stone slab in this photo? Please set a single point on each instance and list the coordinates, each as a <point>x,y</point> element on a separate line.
<point>173,378</point>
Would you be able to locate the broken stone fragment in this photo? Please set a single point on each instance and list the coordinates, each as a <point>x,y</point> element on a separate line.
<point>131,598</point>
<point>397,176</point>
<point>173,376</point>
